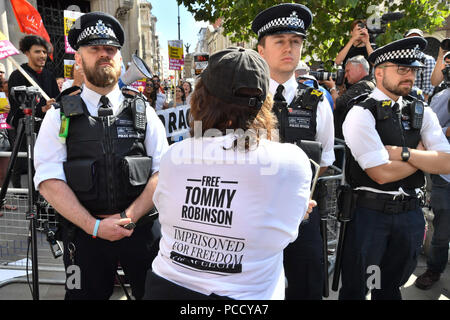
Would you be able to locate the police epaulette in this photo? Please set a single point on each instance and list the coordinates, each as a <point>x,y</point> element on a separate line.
<point>357,99</point>
<point>380,109</point>
<point>411,98</point>
<point>368,103</point>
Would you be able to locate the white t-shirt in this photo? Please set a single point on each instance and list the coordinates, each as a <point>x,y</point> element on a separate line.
<point>160,99</point>
<point>227,215</point>
<point>50,152</point>
<point>324,120</point>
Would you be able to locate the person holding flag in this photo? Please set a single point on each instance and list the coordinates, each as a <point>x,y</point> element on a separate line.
<point>36,49</point>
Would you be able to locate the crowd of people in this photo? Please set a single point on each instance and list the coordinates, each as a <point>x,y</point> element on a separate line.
<point>237,220</point>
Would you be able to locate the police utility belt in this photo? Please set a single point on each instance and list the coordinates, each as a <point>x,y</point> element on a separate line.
<point>386,203</point>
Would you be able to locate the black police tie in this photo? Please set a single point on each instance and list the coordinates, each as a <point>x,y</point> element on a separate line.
<point>104,110</point>
<point>396,108</point>
<point>279,105</point>
<point>279,94</point>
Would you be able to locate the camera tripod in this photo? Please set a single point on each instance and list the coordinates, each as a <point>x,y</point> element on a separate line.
<point>28,99</point>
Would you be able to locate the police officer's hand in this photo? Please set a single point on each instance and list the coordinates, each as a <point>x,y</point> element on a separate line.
<point>394,153</point>
<point>111,228</point>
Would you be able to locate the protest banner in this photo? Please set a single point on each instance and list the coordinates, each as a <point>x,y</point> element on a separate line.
<point>68,67</point>
<point>176,58</point>
<point>69,20</point>
<point>175,120</point>
<point>3,111</point>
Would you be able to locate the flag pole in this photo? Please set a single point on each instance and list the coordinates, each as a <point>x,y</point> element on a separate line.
<point>29,78</point>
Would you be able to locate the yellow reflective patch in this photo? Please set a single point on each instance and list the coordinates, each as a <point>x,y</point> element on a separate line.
<point>386,103</point>
<point>316,93</point>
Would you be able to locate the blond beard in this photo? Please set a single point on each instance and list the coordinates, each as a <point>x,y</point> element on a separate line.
<point>101,76</point>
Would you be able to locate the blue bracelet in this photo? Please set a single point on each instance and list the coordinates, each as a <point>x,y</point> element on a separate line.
<point>97,223</point>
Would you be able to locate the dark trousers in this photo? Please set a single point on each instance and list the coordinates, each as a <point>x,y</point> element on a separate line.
<point>158,288</point>
<point>21,165</point>
<point>390,242</point>
<point>303,262</point>
<point>440,201</point>
<point>98,260</point>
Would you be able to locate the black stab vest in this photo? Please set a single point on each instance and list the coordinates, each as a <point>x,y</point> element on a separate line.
<point>107,166</point>
<point>298,121</point>
<point>390,129</point>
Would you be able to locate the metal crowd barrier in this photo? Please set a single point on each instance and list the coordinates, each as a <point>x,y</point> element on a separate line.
<point>15,250</point>
<point>333,178</point>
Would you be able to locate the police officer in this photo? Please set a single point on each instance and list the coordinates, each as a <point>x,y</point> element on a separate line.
<point>97,161</point>
<point>281,31</point>
<point>392,139</point>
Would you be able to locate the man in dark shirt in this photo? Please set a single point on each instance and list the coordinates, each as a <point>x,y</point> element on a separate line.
<point>359,43</point>
<point>357,76</point>
<point>36,50</point>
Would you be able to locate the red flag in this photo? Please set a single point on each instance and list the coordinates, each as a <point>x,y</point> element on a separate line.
<point>29,20</point>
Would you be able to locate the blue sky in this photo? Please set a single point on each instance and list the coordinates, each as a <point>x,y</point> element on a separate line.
<point>166,11</point>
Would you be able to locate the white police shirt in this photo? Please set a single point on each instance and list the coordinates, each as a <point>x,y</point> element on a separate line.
<point>50,152</point>
<point>226,215</point>
<point>365,144</point>
<point>325,123</point>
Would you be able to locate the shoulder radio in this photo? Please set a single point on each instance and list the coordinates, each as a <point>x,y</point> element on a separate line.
<point>138,108</point>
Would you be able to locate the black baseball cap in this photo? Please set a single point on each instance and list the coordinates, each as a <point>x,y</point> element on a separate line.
<point>233,69</point>
<point>96,28</point>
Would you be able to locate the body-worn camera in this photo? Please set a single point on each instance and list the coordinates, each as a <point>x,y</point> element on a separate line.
<point>24,95</point>
<point>337,76</point>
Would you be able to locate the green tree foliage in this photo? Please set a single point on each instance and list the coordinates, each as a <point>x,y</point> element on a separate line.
<point>332,19</point>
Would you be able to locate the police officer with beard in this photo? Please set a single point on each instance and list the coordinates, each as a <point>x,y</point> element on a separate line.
<point>392,139</point>
<point>97,162</point>
<point>303,114</point>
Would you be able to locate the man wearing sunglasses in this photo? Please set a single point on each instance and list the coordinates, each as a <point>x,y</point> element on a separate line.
<point>392,139</point>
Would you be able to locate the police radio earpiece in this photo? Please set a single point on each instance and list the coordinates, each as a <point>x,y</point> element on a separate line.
<point>417,109</point>
<point>138,107</point>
